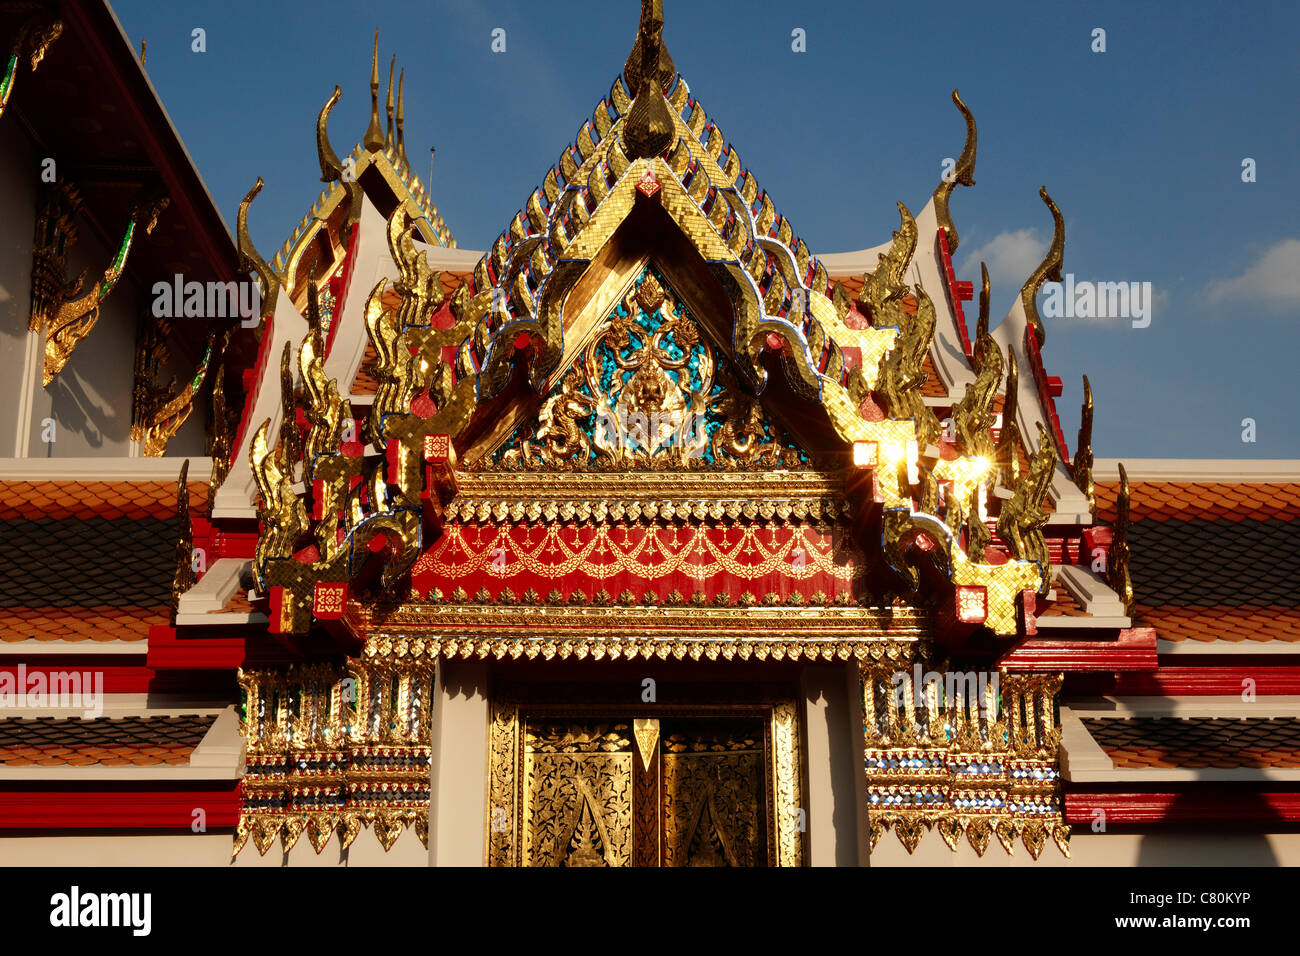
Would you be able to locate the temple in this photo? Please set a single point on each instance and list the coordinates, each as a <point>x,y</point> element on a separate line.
<point>646,537</point>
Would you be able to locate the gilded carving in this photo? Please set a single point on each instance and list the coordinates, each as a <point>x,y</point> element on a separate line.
<point>159,411</point>
<point>330,751</point>
<point>1081,467</point>
<point>1117,558</point>
<point>1022,519</point>
<point>650,392</point>
<point>729,792</point>
<point>1049,270</point>
<point>962,173</point>
<point>68,320</point>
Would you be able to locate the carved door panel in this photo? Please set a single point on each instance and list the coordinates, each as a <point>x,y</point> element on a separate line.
<point>684,791</point>
<point>714,783</point>
<point>577,793</point>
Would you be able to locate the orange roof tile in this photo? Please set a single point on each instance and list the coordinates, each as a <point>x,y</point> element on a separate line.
<point>852,284</point>
<point>97,499</point>
<point>1221,623</point>
<point>80,623</point>
<point>365,382</point>
<point>1185,500</point>
<point>237,603</point>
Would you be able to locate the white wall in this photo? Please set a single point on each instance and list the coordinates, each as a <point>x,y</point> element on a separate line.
<point>18,213</point>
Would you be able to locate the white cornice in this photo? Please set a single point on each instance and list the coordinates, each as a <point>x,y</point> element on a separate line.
<point>103,469</point>
<point>1199,469</point>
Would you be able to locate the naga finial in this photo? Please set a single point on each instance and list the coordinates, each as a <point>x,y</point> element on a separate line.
<point>1117,558</point>
<point>1021,522</point>
<point>374,138</point>
<point>982,323</point>
<point>1081,467</point>
<point>185,576</point>
<point>1008,453</point>
<point>963,172</point>
<point>331,169</point>
<point>1048,270</point>
<point>249,258</point>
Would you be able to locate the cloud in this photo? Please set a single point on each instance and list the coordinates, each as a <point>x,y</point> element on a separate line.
<point>1010,256</point>
<point>1273,279</point>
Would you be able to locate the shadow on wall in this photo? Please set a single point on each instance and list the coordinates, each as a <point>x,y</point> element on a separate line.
<point>1240,841</point>
<point>844,796</point>
<point>75,409</point>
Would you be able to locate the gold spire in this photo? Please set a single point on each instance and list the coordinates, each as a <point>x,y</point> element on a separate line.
<point>374,138</point>
<point>649,73</point>
<point>401,140</point>
<point>388,108</point>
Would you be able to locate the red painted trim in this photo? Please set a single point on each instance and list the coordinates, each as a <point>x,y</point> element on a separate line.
<point>957,291</point>
<point>226,543</point>
<point>117,680</point>
<point>119,809</point>
<point>1131,649</point>
<point>1218,804</point>
<point>253,385</point>
<point>168,651</point>
<point>1218,681</point>
<point>1043,385</point>
<point>345,282</point>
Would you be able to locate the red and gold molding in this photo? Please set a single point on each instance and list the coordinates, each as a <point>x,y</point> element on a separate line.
<point>610,559</point>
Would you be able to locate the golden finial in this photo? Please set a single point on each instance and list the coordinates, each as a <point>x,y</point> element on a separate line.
<point>401,139</point>
<point>388,108</point>
<point>1117,558</point>
<point>963,173</point>
<point>1009,439</point>
<point>1081,467</point>
<point>982,323</point>
<point>249,258</point>
<point>330,167</point>
<point>649,73</point>
<point>374,138</point>
<point>144,50</point>
<point>1048,270</point>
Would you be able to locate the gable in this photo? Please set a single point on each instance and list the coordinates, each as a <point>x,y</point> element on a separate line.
<point>650,389</point>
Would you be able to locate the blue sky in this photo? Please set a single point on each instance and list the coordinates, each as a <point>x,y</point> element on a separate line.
<point>1141,147</point>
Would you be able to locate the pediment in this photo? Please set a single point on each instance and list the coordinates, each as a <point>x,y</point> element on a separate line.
<point>650,388</point>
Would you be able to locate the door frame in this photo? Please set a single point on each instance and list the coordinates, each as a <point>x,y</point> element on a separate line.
<point>512,704</point>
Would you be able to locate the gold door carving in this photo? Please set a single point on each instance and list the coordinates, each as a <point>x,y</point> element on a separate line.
<point>714,801</point>
<point>577,794</point>
<point>707,786</point>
